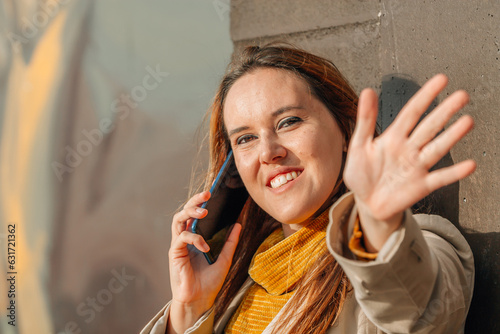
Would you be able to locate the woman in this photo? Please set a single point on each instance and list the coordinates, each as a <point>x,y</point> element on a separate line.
<point>328,243</point>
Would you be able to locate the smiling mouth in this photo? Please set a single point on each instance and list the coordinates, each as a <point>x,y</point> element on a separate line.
<point>283,179</point>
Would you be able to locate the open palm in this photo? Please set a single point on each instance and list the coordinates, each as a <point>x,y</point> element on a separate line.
<point>390,173</point>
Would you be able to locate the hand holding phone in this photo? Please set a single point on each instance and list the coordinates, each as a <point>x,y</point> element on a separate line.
<point>228,196</point>
<point>194,282</point>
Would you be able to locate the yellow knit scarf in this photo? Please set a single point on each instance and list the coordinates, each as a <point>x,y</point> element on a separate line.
<point>276,267</point>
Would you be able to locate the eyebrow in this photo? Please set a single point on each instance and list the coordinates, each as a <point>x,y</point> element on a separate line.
<point>275,114</point>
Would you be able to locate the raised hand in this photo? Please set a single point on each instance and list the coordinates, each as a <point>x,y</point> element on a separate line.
<point>390,173</point>
<point>194,282</point>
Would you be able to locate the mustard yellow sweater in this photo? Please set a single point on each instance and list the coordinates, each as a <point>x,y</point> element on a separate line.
<point>276,267</point>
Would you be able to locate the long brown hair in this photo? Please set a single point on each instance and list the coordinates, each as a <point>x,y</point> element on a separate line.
<point>321,292</point>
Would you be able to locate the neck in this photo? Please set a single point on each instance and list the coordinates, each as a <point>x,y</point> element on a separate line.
<point>289,229</point>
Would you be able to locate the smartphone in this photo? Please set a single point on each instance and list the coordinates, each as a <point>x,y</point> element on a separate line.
<point>228,196</point>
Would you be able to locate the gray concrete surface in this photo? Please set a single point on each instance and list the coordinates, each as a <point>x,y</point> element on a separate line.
<point>394,47</point>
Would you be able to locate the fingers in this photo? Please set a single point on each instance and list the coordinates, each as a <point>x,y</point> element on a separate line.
<point>184,218</point>
<point>435,150</point>
<point>418,104</point>
<point>366,118</point>
<point>192,210</point>
<point>198,199</point>
<point>179,249</point>
<point>437,119</point>
<point>449,175</point>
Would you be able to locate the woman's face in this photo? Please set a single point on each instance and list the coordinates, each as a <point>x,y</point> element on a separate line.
<point>287,145</point>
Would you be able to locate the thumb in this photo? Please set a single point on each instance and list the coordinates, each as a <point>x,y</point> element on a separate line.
<point>366,119</point>
<point>226,255</point>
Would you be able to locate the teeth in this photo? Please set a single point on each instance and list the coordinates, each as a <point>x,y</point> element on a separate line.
<point>282,179</point>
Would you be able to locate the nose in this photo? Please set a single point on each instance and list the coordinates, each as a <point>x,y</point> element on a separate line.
<point>271,150</point>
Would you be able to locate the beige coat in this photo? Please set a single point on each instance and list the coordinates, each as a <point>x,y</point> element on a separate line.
<point>421,281</point>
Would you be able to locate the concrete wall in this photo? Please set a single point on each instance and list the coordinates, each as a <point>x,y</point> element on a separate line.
<point>394,47</point>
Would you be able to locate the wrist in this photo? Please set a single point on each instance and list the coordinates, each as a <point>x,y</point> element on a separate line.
<point>376,230</point>
<point>185,315</point>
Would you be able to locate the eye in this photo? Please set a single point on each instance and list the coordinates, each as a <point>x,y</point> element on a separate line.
<point>244,139</point>
<point>289,121</point>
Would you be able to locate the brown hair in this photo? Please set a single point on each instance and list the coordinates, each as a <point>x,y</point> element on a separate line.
<point>322,290</point>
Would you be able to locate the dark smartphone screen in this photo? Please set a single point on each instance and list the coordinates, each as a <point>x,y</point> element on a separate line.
<point>228,196</point>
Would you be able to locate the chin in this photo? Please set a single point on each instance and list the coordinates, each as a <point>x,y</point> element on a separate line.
<point>293,216</point>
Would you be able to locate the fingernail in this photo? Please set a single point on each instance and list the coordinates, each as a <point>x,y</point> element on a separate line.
<point>206,248</point>
<point>200,210</point>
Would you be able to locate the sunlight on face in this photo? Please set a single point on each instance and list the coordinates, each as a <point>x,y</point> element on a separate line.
<point>287,145</point>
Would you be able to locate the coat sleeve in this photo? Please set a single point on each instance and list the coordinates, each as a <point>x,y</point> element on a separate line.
<point>158,325</point>
<point>421,280</point>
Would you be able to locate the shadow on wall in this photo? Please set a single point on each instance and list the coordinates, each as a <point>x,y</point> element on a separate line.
<point>396,90</point>
<point>485,308</point>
